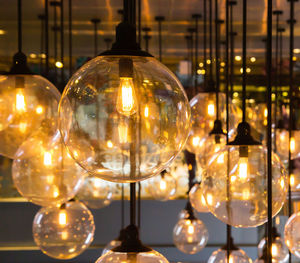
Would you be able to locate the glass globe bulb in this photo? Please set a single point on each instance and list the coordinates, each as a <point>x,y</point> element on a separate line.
<point>133,257</point>
<point>43,171</point>
<point>203,115</point>
<point>65,232</point>
<point>95,192</point>
<point>280,252</point>
<point>292,234</point>
<point>162,187</point>
<point>295,177</point>
<point>111,245</point>
<point>25,101</point>
<point>242,190</point>
<point>236,256</point>
<point>136,126</point>
<point>282,143</point>
<point>190,235</point>
<point>197,199</point>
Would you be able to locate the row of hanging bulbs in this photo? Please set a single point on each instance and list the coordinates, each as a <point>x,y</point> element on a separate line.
<point>124,117</point>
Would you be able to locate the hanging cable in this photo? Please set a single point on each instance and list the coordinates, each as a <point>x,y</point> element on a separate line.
<point>62,44</point>
<point>132,204</point>
<point>122,207</point>
<point>210,43</point>
<point>19,25</point>
<point>232,39</point>
<point>217,49</point>
<point>205,42</point>
<point>192,31</point>
<point>139,22</point>
<point>42,19</point>
<point>146,37</point>
<point>196,17</point>
<point>70,40</point>
<point>55,29</point>
<point>159,19</point>
<point>46,39</point>
<point>244,59</point>
<point>280,30</point>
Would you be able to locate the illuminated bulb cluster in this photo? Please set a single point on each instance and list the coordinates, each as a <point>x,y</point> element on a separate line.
<point>65,232</point>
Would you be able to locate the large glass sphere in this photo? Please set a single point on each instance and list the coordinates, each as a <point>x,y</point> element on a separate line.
<point>43,171</point>
<point>190,235</point>
<point>238,196</point>
<point>142,257</point>
<point>65,232</point>
<point>280,252</point>
<point>203,115</point>
<point>197,199</point>
<point>282,143</point>
<point>25,101</point>
<point>292,234</point>
<point>136,124</point>
<point>235,256</point>
<point>95,192</point>
<point>162,187</point>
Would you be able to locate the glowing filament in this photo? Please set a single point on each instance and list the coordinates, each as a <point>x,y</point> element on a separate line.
<point>47,159</point>
<point>20,101</point>
<point>211,109</point>
<point>230,259</point>
<point>292,180</point>
<point>97,182</point>
<point>274,250</point>
<point>243,168</point>
<point>209,199</point>
<point>191,229</point>
<point>62,218</point>
<point>292,145</point>
<point>146,111</point>
<point>162,185</point>
<point>220,159</point>
<point>64,235</point>
<point>39,110</point>
<point>126,101</point>
<point>246,194</point>
<point>265,112</point>
<point>22,127</point>
<point>109,144</point>
<point>196,140</point>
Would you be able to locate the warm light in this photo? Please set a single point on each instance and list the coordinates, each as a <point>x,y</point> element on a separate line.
<point>62,217</point>
<point>282,184</point>
<point>123,132</point>
<point>235,94</point>
<point>232,178</point>
<point>296,50</point>
<point>294,58</point>
<point>222,64</point>
<point>220,157</point>
<point>190,167</point>
<point>243,168</point>
<point>196,140</point>
<point>20,100</point>
<point>43,55</point>
<point>252,59</point>
<point>209,199</point>
<point>32,55</point>
<point>292,145</point>
<point>109,144</point>
<point>246,194</point>
<point>201,64</point>
<point>39,110</point>
<point>292,179</point>
<point>230,259</point>
<point>127,101</point>
<point>248,70</point>
<point>163,185</point>
<point>58,64</point>
<point>208,61</point>
<point>64,235</point>
<point>238,58</point>
<point>2,32</point>
<point>191,229</point>
<point>47,159</point>
<point>22,127</point>
<point>211,109</point>
<point>146,111</point>
<point>50,179</point>
<point>274,250</point>
<point>265,112</point>
<point>55,193</point>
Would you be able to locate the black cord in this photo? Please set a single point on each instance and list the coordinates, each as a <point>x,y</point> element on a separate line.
<point>244,58</point>
<point>139,205</point>
<point>269,128</point>
<point>210,42</point>
<point>47,38</point>
<point>70,40</point>
<point>196,17</point>
<point>122,207</point>
<point>232,39</point>
<point>204,41</point>
<point>19,25</point>
<point>42,18</point>
<point>62,43</point>
<point>95,22</point>
<point>217,49</point>
<point>132,204</point>
<point>139,22</point>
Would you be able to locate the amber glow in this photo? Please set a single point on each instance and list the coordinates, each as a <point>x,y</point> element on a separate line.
<point>292,179</point>
<point>39,110</point>
<point>47,159</point>
<point>292,145</point>
<point>191,229</point>
<point>162,185</point>
<point>274,250</point>
<point>211,109</point>
<point>243,168</point>
<point>146,111</point>
<point>126,101</point>
<point>62,217</point>
<point>20,100</point>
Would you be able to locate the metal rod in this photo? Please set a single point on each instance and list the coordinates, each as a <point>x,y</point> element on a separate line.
<point>159,19</point>
<point>62,43</point>
<point>132,204</point>
<point>232,39</point>
<point>70,40</point>
<point>244,58</point>
<point>139,208</point>
<point>217,49</point>
<point>19,25</point>
<point>205,41</point>
<point>95,22</point>
<point>42,18</point>
<point>196,17</point>
<point>210,42</point>
<point>122,207</point>
<point>269,129</point>
<point>139,22</point>
<point>46,39</point>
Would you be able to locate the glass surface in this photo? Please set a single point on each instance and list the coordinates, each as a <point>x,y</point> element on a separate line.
<point>197,199</point>
<point>63,233</point>
<point>135,127</point>
<point>143,257</point>
<point>235,256</point>
<point>292,234</point>
<point>43,171</point>
<point>280,252</point>
<point>190,236</point>
<point>25,101</point>
<point>282,143</point>
<point>241,199</point>
<point>112,244</point>
<point>95,192</point>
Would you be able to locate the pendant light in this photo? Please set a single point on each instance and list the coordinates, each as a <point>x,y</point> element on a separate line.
<point>63,232</point>
<point>197,198</point>
<point>243,203</point>
<point>127,107</point>
<point>131,249</point>
<point>26,100</point>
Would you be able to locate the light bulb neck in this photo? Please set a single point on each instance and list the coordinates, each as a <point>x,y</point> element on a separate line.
<point>20,65</point>
<point>131,242</point>
<point>244,136</point>
<point>125,68</point>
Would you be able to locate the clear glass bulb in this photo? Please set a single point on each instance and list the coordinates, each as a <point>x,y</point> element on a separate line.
<point>280,252</point>
<point>162,187</point>
<point>295,179</point>
<point>95,192</point>
<point>25,102</point>
<point>292,234</point>
<point>235,256</point>
<point>242,190</point>
<point>43,171</point>
<point>135,125</point>
<point>203,115</point>
<point>282,143</point>
<point>133,257</point>
<point>63,232</point>
<point>197,199</point>
<point>190,235</point>
<point>111,245</point>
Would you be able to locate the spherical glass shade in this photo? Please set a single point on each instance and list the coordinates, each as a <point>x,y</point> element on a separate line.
<point>282,143</point>
<point>295,178</point>
<point>292,234</point>
<point>95,192</point>
<point>63,233</point>
<point>190,236</point>
<point>197,199</point>
<point>203,115</point>
<point>235,256</point>
<point>25,101</point>
<point>142,257</point>
<point>162,187</point>
<point>112,244</point>
<point>241,199</point>
<point>280,252</point>
<point>43,171</point>
<point>136,124</point>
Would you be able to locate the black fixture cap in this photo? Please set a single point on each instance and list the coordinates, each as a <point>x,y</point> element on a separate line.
<point>244,136</point>
<point>217,129</point>
<point>131,242</point>
<point>20,66</point>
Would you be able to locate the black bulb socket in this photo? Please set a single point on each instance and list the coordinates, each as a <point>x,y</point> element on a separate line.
<point>244,137</point>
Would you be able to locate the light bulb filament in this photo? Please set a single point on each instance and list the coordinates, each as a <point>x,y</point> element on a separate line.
<point>162,185</point>
<point>20,100</point>
<point>191,229</point>
<point>211,109</point>
<point>62,218</point>
<point>243,168</point>
<point>47,159</point>
<point>292,145</point>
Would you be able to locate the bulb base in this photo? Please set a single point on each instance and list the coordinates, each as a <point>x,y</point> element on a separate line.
<point>244,136</point>
<point>217,129</point>
<point>20,66</point>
